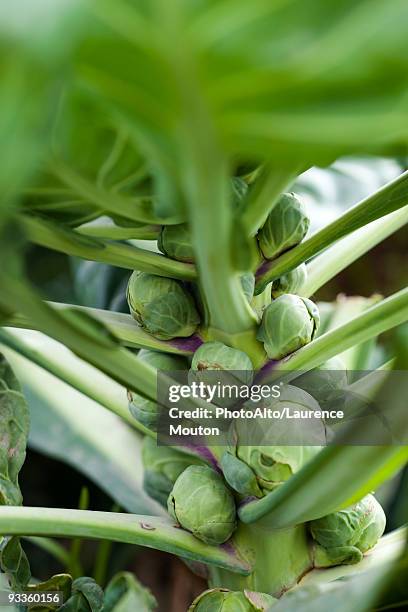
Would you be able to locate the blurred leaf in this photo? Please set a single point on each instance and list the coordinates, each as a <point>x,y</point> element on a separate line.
<point>276,78</point>
<point>86,596</point>
<point>94,441</point>
<point>14,426</point>
<point>59,582</point>
<point>125,593</point>
<point>30,77</point>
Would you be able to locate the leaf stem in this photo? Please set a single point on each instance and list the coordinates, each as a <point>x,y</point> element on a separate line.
<point>122,326</point>
<point>336,258</point>
<point>66,241</point>
<point>153,532</point>
<point>265,194</point>
<point>390,197</point>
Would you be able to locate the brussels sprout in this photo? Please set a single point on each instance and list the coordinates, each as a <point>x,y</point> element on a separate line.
<point>290,282</point>
<point>288,323</point>
<point>234,367</point>
<point>272,465</point>
<point>175,242</point>
<point>326,382</point>
<point>287,224</point>
<point>144,410</point>
<point>222,600</point>
<point>201,503</point>
<point>163,465</point>
<point>162,306</point>
<point>343,537</point>
<point>248,285</point>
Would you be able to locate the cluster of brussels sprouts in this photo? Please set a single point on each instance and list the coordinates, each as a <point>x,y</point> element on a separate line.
<point>167,308</point>
<point>201,499</point>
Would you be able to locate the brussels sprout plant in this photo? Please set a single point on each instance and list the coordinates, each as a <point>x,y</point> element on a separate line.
<point>164,151</point>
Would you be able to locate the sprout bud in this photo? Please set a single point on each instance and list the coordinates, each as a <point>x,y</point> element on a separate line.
<point>325,383</point>
<point>288,323</point>
<point>201,503</point>
<point>286,226</point>
<point>343,537</point>
<point>162,306</point>
<point>175,242</point>
<point>162,466</point>
<point>212,357</point>
<point>144,410</point>
<point>290,282</point>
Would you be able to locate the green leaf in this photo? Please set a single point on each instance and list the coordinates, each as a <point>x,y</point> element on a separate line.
<point>86,596</point>
<point>14,426</point>
<point>150,531</point>
<point>125,593</point>
<point>59,582</point>
<point>95,441</point>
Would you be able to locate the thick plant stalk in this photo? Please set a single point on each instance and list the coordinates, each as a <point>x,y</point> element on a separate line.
<point>280,559</point>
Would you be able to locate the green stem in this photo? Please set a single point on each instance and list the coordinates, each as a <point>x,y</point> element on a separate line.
<point>122,326</point>
<point>66,241</point>
<point>279,558</point>
<point>326,484</point>
<point>103,555</point>
<point>76,378</point>
<point>103,227</point>
<point>265,194</point>
<point>389,198</point>
<point>153,532</point>
<point>336,258</point>
<point>75,566</point>
<point>379,318</point>
<point>51,547</point>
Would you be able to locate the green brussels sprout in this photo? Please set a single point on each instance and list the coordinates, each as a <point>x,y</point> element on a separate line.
<point>290,282</point>
<point>223,600</point>
<point>326,382</point>
<point>286,226</point>
<point>144,410</point>
<point>201,503</point>
<point>175,242</point>
<point>162,306</point>
<point>271,465</point>
<point>343,537</point>
<point>248,285</point>
<point>288,323</point>
<point>212,357</point>
<point>162,466</point>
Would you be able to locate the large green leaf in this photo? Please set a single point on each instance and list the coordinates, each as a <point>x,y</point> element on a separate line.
<point>68,426</point>
<point>14,426</point>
